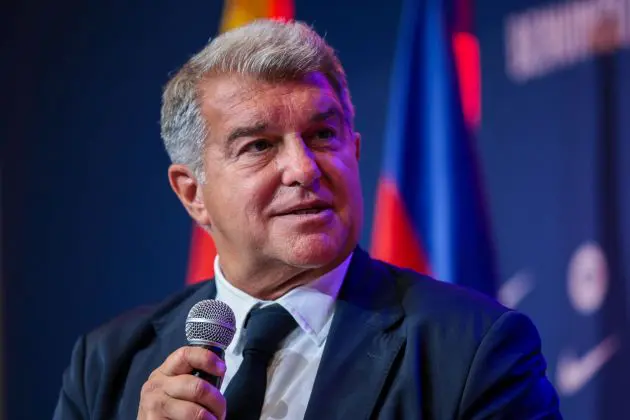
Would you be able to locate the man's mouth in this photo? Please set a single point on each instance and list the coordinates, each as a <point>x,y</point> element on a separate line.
<point>307,211</point>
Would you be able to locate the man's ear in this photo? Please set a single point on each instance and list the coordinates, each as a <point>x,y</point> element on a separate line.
<point>188,190</point>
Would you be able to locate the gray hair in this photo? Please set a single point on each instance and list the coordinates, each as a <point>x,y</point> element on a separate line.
<point>270,50</point>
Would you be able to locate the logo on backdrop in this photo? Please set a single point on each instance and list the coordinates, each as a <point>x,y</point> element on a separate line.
<point>515,289</point>
<point>545,39</point>
<point>587,286</point>
<point>573,372</point>
<point>587,278</point>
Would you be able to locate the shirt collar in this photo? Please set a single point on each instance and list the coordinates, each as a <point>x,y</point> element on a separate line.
<point>311,305</point>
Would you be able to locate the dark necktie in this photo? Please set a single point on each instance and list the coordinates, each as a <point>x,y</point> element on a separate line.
<point>265,328</point>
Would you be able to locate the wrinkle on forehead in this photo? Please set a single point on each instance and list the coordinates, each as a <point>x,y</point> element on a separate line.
<point>238,99</point>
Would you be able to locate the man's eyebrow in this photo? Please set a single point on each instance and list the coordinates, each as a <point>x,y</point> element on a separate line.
<point>249,131</point>
<point>260,127</point>
<point>333,111</point>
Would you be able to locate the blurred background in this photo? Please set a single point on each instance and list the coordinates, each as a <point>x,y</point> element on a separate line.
<point>91,228</point>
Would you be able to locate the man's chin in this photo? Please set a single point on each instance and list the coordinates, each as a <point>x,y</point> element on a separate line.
<point>313,252</point>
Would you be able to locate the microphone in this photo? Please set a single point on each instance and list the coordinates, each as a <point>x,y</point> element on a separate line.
<point>210,324</point>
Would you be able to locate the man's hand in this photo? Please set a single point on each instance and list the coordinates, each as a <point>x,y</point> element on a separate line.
<point>172,392</point>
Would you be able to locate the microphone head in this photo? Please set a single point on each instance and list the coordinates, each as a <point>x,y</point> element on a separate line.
<point>210,323</point>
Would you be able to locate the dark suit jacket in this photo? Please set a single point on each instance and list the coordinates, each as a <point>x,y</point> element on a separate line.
<point>401,346</point>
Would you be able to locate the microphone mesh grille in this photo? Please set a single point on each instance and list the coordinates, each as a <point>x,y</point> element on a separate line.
<point>210,322</point>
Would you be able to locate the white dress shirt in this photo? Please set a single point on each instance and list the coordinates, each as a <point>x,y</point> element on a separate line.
<point>292,371</point>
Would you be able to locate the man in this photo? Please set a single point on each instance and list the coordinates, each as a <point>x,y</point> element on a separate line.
<point>259,127</point>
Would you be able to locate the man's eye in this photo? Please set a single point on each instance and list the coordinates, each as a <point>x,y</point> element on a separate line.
<point>258,146</point>
<point>325,134</point>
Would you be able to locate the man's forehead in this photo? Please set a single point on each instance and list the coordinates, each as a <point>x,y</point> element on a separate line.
<point>227,83</point>
<point>247,99</point>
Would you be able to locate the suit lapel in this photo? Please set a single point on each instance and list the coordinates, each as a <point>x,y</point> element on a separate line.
<point>169,335</point>
<point>361,347</point>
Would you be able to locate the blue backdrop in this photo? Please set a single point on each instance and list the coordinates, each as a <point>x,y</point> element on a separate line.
<point>91,227</point>
<point>555,142</point>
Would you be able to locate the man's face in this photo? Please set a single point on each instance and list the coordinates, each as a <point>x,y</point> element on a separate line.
<point>281,166</point>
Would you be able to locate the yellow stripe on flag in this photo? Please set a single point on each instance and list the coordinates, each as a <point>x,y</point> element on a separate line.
<point>239,12</point>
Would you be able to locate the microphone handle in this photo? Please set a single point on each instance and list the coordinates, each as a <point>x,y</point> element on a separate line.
<point>215,381</point>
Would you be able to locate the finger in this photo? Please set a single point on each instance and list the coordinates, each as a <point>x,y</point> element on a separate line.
<point>186,359</point>
<point>196,390</point>
<point>185,410</point>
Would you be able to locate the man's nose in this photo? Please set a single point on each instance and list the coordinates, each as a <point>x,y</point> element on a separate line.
<point>298,163</point>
